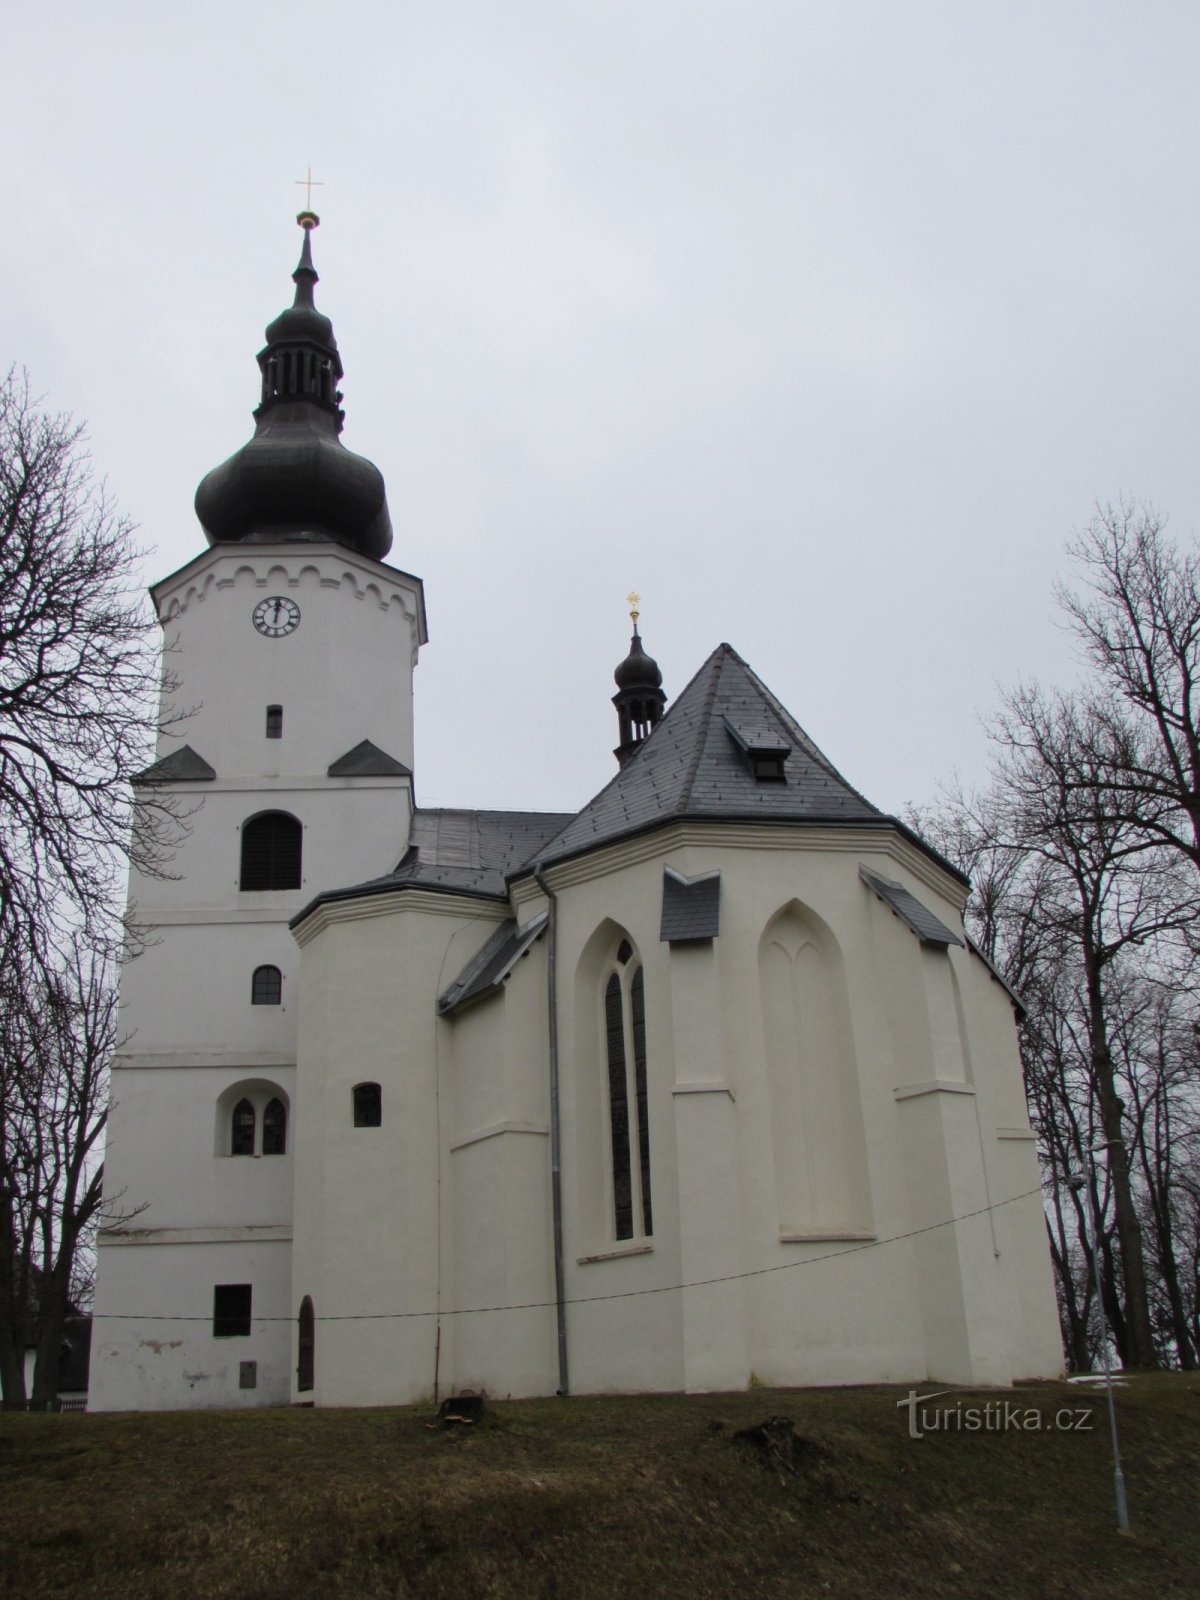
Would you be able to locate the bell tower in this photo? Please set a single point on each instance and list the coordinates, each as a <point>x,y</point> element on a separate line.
<point>291,645</point>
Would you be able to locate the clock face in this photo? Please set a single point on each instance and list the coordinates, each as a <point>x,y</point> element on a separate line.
<point>276,616</point>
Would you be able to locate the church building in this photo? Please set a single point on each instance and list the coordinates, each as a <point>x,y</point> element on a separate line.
<point>700,1086</point>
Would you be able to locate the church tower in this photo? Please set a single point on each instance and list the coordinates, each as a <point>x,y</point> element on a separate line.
<point>290,645</point>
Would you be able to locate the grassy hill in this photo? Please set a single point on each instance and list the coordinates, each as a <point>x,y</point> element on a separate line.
<point>599,1497</point>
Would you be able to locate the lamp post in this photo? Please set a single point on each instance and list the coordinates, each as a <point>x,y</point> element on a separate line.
<point>1076,1181</point>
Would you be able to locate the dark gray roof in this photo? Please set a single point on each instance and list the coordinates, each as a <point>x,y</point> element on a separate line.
<point>487,970</point>
<point>691,907</point>
<point>689,766</point>
<point>998,977</point>
<point>909,909</point>
<point>459,852</point>
<point>181,766</point>
<point>367,760</point>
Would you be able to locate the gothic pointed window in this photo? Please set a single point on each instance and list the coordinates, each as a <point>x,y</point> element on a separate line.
<point>242,1138</point>
<point>274,1139</point>
<point>628,1110</point>
<point>271,847</point>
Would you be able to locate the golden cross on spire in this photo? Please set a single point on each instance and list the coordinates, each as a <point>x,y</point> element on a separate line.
<point>635,601</point>
<point>310,183</point>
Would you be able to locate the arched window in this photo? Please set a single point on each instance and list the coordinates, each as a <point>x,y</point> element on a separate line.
<point>274,1128</point>
<point>368,1105</point>
<point>629,1126</point>
<point>271,852</point>
<point>242,1135</point>
<point>266,986</point>
<point>307,1344</point>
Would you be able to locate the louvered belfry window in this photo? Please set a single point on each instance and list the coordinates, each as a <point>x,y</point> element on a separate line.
<point>271,845</point>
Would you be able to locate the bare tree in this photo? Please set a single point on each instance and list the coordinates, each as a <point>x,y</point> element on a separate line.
<point>78,674</point>
<point>1138,620</point>
<point>58,1032</point>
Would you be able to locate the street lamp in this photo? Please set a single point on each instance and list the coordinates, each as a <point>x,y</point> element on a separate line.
<point>1076,1181</point>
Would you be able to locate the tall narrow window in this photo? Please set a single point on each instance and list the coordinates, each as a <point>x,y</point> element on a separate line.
<point>231,1311</point>
<point>629,1124</point>
<point>274,722</point>
<point>368,1105</point>
<point>271,852</point>
<point>307,1345</point>
<point>242,1137</point>
<point>266,986</point>
<point>274,1128</point>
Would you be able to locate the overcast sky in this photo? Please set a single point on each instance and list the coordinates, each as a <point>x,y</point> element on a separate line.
<point>821,325</point>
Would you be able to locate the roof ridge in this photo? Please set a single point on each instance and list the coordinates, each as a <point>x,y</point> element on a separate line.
<point>718,658</point>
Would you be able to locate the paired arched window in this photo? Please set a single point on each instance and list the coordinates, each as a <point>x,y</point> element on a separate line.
<point>243,1132</point>
<point>368,1105</point>
<point>271,850</point>
<point>629,1127</point>
<point>266,987</point>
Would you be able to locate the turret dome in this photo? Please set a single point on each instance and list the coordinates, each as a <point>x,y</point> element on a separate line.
<point>295,479</point>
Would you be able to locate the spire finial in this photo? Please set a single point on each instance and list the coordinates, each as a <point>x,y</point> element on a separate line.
<point>308,218</point>
<point>635,601</point>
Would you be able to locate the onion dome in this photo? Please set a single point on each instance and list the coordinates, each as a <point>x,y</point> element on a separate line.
<point>295,479</point>
<point>639,699</point>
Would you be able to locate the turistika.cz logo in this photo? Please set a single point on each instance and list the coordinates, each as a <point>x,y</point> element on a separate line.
<point>995,1416</point>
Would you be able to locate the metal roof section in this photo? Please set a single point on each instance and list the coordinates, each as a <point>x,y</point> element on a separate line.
<point>488,970</point>
<point>910,910</point>
<point>181,766</point>
<point>691,907</point>
<point>998,977</point>
<point>690,766</point>
<point>367,760</point>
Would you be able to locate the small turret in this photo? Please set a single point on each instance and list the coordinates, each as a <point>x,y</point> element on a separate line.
<point>639,699</point>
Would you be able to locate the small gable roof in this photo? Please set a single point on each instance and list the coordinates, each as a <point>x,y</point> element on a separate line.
<point>181,766</point>
<point>691,766</point>
<point>488,969</point>
<point>367,760</point>
<point>928,928</point>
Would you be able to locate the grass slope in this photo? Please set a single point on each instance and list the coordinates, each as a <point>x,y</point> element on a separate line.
<point>598,1497</point>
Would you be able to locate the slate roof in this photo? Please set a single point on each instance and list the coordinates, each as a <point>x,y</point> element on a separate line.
<point>367,760</point>
<point>489,968</point>
<point>181,766</point>
<point>459,852</point>
<point>691,907</point>
<point>691,766</point>
<point>909,909</point>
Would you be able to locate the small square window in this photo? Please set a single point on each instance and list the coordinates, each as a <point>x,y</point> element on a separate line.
<point>231,1311</point>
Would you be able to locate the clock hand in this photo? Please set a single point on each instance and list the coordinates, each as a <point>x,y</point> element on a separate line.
<point>278,605</point>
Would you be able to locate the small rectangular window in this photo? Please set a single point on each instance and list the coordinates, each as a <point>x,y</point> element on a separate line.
<point>274,722</point>
<point>247,1374</point>
<point>368,1105</point>
<point>231,1311</point>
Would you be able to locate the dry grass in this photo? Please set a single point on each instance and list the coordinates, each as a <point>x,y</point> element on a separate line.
<point>641,1495</point>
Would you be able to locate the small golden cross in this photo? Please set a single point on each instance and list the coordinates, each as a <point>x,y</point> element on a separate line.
<point>310,183</point>
<point>635,601</point>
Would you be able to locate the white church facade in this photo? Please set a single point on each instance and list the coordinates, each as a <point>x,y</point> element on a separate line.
<point>700,1086</point>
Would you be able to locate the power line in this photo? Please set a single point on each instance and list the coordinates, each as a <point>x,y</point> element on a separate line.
<point>622,1294</point>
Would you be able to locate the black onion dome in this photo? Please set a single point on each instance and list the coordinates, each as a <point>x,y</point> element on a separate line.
<point>638,670</point>
<point>295,479</point>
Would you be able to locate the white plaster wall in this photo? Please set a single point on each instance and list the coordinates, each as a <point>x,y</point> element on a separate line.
<point>190,1032</point>
<point>152,1341</point>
